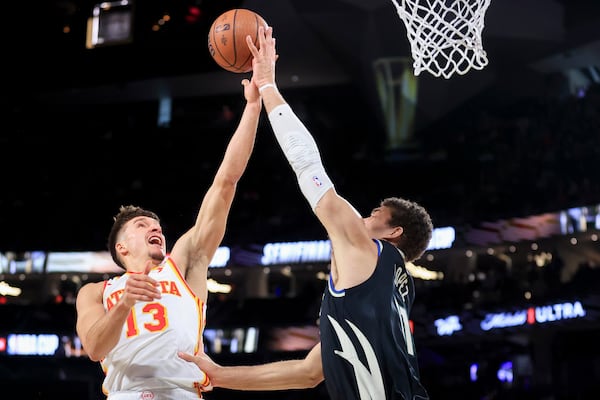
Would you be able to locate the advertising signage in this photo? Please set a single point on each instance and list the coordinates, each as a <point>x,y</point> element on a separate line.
<point>535,315</point>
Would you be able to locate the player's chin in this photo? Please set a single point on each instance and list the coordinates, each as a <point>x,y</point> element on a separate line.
<point>157,254</point>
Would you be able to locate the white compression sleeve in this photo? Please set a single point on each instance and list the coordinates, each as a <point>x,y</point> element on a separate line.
<point>301,152</point>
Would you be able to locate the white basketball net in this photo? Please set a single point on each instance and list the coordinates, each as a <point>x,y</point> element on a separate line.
<point>444,35</point>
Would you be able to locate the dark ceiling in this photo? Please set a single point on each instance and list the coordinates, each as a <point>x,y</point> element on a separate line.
<point>320,43</point>
<point>52,81</point>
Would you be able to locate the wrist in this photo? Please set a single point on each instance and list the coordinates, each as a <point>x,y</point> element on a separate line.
<point>267,86</point>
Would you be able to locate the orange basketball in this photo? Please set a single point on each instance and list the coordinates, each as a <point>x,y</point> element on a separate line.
<point>227,39</point>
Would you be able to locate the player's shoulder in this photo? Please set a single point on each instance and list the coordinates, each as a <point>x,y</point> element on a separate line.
<point>91,289</point>
<point>91,286</point>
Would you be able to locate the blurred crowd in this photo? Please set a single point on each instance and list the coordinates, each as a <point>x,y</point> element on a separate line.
<point>481,164</point>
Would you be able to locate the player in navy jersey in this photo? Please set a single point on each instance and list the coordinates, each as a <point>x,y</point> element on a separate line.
<point>136,323</point>
<point>366,349</point>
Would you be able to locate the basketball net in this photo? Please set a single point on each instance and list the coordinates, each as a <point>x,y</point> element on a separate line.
<point>444,35</point>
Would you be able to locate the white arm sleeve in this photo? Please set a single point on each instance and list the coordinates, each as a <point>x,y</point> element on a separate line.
<point>302,153</point>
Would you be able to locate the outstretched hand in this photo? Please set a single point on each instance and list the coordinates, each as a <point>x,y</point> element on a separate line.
<point>206,365</point>
<point>264,57</point>
<point>250,91</point>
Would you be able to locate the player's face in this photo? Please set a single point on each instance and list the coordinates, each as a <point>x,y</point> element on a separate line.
<point>143,236</point>
<point>377,223</point>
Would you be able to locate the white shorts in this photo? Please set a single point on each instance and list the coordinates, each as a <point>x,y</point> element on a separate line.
<point>176,394</point>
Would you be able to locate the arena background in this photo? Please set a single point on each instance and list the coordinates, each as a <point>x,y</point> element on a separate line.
<point>504,158</point>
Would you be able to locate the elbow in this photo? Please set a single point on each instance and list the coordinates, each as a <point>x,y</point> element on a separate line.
<point>312,377</point>
<point>227,183</point>
<point>95,358</point>
<point>313,380</point>
<point>94,355</point>
<point>93,352</point>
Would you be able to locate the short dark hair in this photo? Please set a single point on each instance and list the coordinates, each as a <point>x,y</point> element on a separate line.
<point>126,214</point>
<point>415,222</point>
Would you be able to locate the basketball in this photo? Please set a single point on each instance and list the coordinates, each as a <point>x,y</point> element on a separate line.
<point>227,39</point>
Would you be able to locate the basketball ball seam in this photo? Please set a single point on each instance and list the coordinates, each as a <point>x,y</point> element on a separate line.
<point>218,50</point>
<point>249,58</point>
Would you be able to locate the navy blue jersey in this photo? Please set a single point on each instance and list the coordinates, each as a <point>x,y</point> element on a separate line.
<point>367,347</point>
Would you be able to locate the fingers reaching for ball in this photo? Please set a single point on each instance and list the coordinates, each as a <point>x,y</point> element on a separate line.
<point>264,57</point>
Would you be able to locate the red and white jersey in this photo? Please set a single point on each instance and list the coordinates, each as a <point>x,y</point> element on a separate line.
<point>145,362</point>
